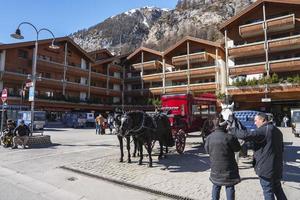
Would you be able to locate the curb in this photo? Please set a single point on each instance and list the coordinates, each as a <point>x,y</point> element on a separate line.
<point>130,185</point>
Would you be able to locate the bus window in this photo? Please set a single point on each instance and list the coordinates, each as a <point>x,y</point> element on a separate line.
<point>39,116</point>
<point>212,109</point>
<point>204,109</point>
<point>195,110</point>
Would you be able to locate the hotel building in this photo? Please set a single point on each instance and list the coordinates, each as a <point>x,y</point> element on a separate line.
<point>262,41</point>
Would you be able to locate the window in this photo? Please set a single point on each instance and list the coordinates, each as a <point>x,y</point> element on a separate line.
<point>22,54</point>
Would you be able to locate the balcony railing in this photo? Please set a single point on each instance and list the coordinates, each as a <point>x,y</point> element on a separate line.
<point>291,64</point>
<point>283,65</point>
<point>155,64</point>
<point>115,68</point>
<point>195,72</point>
<point>273,25</point>
<point>98,76</point>
<point>257,48</point>
<point>198,87</point>
<point>153,77</point>
<point>253,68</point>
<point>194,58</point>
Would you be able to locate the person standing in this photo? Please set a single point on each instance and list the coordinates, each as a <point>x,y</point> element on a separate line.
<point>268,154</point>
<point>99,122</point>
<point>221,147</point>
<point>285,120</point>
<point>21,137</point>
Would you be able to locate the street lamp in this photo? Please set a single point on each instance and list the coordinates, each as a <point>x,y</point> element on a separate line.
<point>18,35</point>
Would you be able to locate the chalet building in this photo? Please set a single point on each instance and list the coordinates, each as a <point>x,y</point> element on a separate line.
<point>263,56</point>
<point>191,65</point>
<point>69,78</point>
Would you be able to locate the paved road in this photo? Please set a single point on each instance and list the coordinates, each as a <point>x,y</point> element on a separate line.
<point>36,174</point>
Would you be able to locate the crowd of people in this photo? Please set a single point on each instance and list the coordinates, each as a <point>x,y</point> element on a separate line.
<point>13,135</point>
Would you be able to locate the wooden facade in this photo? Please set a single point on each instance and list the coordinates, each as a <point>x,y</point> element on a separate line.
<point>263,41</point>
<point>191,65</point>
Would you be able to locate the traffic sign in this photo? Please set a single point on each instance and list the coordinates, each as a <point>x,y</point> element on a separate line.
<point>4,95</point>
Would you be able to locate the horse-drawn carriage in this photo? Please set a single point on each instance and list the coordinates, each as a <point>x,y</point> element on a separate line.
<point>188,113</point>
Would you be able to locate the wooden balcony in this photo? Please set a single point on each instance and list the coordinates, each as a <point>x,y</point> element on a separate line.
<point>77,87</point>
<point>196,72</point>
<point>284,44</point>
<point>155,64</point>
<point>77,71</point>
<point>291,64</point>
<point>156,90</point>
<point>98,76</point>
<point>115,80</point>
<point>203,71</point>
<point>199,87</point>
<point>13,76</point>
<point>245,50</point>
<point>153,77</point>
<point>114,93</point>
<point>194,58</point>
<point>50,83</point>
<point>254,68</point>
<point>115,68</point>
<point>276,92</point>
<point>98,90</point>
<point>273,25</point>
<point>50,66</point>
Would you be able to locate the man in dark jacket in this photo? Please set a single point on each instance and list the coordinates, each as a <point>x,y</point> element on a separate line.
<point>268,152</point>
<point>21,135</point>
<point>221,146</point>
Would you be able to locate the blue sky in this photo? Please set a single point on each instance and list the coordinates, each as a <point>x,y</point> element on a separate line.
<point>63,17</point>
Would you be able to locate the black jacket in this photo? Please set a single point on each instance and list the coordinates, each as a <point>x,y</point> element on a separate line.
<point>268,149</point>
<point>22,130</point>
<point>221,147</point>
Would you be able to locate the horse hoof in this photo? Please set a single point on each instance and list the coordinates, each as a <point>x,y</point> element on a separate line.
<point>150,165</point>
<point>134,155</point>
<point>128,161</point>
<point>140,163</point>
<point>121,160</point>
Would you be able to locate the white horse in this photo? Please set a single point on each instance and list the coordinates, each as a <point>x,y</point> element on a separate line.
<point>228,116</point>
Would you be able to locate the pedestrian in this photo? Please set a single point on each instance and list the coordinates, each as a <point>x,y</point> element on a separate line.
<point>8,134</point>
<point>21,137</point>
<point>99,123</point>
<point>268,154</point>
<point>110,122</point>
<point>221,147</point>
<point>285,120</point>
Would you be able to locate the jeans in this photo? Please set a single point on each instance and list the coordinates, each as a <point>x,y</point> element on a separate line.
<point>230,192</point>
<point>98,129</point>
<point>271,188</point>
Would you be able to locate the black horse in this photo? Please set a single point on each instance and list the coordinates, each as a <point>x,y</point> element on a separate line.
<point>117,125</point>
<point>147,130</point>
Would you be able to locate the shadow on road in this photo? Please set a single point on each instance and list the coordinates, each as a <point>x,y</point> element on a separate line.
<point>193,160</point>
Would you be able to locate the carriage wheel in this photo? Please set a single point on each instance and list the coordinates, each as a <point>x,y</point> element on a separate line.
<point>180,141</point>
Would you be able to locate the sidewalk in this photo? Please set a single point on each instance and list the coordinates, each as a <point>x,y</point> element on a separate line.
<point>187,175</point>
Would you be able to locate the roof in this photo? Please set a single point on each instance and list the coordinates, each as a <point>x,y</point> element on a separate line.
<point>32,43</point>
<point>111,59</point>
<point>193,39</point>
<point>144,49</point>
<point>101,51</point>
<point>251,7</point>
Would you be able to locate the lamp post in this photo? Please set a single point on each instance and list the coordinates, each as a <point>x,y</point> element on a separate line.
<point>17,35</point>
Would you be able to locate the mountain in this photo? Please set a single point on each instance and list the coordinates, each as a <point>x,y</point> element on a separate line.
<point>159,28</point>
